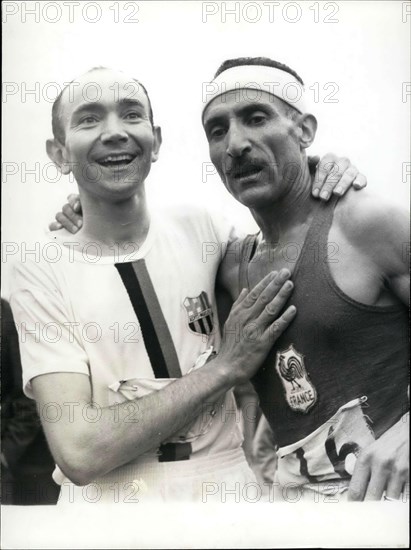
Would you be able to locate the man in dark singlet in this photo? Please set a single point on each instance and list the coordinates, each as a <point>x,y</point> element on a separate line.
<point>334,388</point>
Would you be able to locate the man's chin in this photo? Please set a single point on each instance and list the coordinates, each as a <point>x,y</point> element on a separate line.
<point>114,191</point>
<point>252,197</point>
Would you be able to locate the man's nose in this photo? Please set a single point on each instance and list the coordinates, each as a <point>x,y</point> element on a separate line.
<point>237,141</point>
<point>113,129</point>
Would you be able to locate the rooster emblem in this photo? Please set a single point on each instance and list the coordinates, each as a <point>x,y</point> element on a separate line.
<point>291,370</point>
<point>300,393</point>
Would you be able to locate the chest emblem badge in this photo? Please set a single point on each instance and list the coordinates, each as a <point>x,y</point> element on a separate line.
<point>200,314</point>
<point>300,393</point>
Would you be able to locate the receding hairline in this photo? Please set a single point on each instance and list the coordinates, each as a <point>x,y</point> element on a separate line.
<point>58,104</point>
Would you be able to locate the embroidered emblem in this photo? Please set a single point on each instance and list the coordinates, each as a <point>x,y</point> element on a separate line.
<point>200,314</point>
<point>299,390</point>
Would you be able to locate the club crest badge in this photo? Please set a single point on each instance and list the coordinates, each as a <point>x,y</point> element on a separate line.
<point>200,314</point>
<point>300,393</point>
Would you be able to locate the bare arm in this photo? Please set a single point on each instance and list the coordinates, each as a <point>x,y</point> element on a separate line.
<point>85,450</point>
<point>396,258</point>
<point>382,231</point>
<point>245,395</point>
<point>248,404</point>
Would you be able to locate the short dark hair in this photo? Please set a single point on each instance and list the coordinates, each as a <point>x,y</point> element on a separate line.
<point>57,126</point>
<point>265,62</point>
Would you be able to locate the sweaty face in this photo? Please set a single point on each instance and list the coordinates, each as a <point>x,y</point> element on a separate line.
<point>253,145</point>
<point>109,139</point>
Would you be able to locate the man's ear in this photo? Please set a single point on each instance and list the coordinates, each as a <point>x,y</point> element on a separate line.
<point>57,154</point>
<point>308,128</point>
<point>157,143</point>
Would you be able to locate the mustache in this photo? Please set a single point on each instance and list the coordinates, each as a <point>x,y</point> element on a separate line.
<point>239,166</point>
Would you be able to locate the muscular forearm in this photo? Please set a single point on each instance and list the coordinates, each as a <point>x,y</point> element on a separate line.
<point>86,450</point>
<point>158,416</point>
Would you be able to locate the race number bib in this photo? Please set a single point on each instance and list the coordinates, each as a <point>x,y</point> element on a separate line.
<point>330,451</point>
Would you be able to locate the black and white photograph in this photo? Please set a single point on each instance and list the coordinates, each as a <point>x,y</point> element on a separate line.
<point>205,274</point>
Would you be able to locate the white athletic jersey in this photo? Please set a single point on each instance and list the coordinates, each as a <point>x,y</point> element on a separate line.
<point>75,311</point>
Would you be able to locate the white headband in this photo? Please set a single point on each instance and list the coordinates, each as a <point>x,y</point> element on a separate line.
<point>258,78</point>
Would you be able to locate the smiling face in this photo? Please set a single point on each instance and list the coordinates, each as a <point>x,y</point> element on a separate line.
<point>110,142</point>
<point>254,146</point>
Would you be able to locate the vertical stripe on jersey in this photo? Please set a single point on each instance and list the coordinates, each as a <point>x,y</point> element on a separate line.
<point>156,335</point>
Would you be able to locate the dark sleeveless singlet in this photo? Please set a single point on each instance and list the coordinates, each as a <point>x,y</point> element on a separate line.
<point>335,350</point>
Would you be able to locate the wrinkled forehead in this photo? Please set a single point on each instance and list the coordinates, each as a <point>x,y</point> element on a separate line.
<point>101,86</point>
<point>253,83</point>
<point>238,100</point>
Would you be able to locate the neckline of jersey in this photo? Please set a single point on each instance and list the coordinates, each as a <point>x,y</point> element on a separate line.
<point>111,259</point>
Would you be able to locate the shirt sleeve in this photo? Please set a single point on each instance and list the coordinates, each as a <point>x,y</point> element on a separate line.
<point>48,338</point>
<point>224,229</point>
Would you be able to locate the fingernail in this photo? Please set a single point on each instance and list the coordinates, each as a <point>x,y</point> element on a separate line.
<point>76,205</point>
<point>284,274</point>
<point>338,190</point>
<point>315,192</point>
<point>324,195</point>
<point>79,223</point>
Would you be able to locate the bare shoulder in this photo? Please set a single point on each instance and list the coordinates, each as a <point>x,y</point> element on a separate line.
<point>364,216</point>
<point>374,224</point>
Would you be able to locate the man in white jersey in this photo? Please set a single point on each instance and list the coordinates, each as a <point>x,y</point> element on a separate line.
<point>117,325</point>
